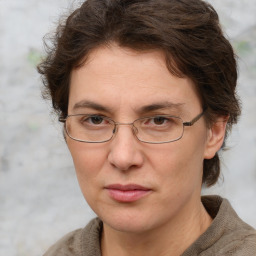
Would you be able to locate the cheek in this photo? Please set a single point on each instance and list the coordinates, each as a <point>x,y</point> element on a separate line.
<point>88,160</point>
<point>179,165</point>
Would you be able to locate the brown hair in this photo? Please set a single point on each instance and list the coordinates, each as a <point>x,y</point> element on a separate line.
<point>187,31</point>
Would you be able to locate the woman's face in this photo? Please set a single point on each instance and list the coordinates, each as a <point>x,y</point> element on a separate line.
<point>133,186</point>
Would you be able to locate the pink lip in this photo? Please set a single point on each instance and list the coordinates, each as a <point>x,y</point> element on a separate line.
<point>127,193</point>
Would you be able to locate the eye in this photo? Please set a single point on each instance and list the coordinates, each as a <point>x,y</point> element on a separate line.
<point>159,120</point>
<point>94,120</point>
<point>156,122</point>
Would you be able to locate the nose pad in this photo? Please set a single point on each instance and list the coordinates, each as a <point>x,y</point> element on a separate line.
<point>114,130</point>
<point>135,130</point>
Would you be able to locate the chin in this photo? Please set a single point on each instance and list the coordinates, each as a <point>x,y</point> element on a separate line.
<point>127,226</point>
<point>129,220</point>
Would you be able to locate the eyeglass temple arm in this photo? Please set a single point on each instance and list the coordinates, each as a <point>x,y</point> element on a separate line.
<point>61,119</point>
<point>194,120</point>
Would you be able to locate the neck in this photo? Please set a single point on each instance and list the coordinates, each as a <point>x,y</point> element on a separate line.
<point>172,238</point>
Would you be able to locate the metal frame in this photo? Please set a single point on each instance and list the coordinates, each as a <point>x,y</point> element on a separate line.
<point>193,121</point>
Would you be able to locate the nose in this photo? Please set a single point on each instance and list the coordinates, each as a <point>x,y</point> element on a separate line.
<point>125,151</point>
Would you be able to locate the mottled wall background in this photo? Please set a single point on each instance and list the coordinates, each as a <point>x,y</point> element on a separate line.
<point>39,195</point>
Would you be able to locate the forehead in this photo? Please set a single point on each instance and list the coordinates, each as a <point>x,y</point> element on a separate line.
<point>121,78</point>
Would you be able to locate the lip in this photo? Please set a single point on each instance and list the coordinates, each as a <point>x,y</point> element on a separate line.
<point>127,193</point>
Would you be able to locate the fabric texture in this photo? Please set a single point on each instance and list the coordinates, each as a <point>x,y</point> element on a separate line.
<point>227,235</point>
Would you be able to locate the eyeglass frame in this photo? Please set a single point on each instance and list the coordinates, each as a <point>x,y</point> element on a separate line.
<point>190,123</point>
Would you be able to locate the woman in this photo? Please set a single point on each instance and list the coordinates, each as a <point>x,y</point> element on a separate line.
<point>146,92</point>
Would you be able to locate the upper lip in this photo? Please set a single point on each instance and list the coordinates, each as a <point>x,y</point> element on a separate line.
<point>127,187</point>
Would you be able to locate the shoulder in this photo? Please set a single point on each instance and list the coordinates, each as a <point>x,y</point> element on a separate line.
<point>79,242</point>
<point>235,243</point>
<point>239,238</point>
<point>67,245</point>
<point>233,236</point>
<point>243,243</point>
<point>227,235</point>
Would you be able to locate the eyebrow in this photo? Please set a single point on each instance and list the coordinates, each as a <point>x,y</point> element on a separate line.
<point>142,110</point>
<point>160,106</point>
<point>90,104</point>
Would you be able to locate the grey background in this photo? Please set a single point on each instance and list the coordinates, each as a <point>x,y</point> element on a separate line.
<point>39,196</point>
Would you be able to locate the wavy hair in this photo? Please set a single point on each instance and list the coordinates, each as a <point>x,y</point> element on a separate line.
<point>187,31</point>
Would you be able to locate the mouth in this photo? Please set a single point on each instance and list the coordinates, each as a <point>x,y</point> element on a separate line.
<point>127,193</point>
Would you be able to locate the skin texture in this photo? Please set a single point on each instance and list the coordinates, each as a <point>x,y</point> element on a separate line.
<point>170,217</point>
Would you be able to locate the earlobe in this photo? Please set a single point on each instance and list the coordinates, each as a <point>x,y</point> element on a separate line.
<point>215,137</point>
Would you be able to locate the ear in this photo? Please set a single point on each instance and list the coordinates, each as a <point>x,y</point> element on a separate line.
<point>215,137</point>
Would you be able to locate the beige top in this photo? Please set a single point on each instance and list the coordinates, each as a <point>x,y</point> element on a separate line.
<point>227,235</point>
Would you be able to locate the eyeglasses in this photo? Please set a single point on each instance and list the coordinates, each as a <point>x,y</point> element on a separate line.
<point>153,129</point>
